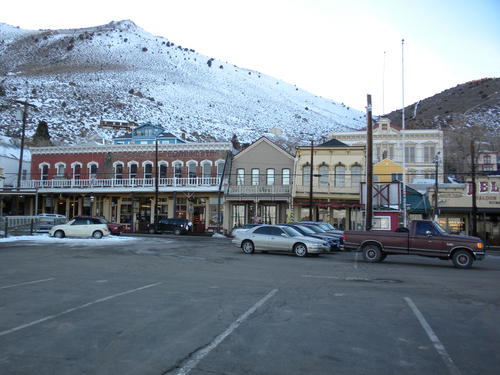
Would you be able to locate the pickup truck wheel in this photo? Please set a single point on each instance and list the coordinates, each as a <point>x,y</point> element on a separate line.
<point>462,259</point>
<point>372,253</point>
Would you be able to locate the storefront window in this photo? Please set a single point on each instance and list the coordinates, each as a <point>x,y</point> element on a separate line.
<point>238,218</point>
<point>181,207</point>
<point>268,214</point>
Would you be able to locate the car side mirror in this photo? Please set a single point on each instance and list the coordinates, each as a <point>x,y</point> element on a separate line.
<point>428,233</point>
<point>283,235</point>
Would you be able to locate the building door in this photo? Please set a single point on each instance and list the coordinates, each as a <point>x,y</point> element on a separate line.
<point>199,218</point>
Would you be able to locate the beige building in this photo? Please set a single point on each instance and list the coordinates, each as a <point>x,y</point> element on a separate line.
<point>420,147</point>
<point>260,185</point>
<point>337,170</point>
<point>455,207</point>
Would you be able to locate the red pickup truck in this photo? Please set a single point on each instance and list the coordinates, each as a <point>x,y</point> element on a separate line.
<point>424,237</point>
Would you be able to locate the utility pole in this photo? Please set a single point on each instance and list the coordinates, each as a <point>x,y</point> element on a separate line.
<point>156,184</point>
<point>311,183</point>
<point>369,165</point>
<point>403,192</point>
<point>436,188</point>
<point>23,132</point>
<point>474,193</point>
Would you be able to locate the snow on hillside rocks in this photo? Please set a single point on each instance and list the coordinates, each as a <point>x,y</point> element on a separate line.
<point>78,76</point>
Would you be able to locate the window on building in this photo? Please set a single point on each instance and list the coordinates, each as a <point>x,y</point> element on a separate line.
<point>339,176</point>
<point>255,176</point>
<point>270,176</point>
<point>240,176</point>
<point>163,171</point>
<point>391,152</point>
<point>119,171</point>
<point>148,170</point>
<point>356,171</point>
<point>410,154</point>
<point>306,175</point>
<point>192,169</point>
<point>44,172</point>
<point>24,175</point>
<point>285,176</point>
<point>177,170</point>
<point>429,153</point>
<point>60,170</point>
<point>77,171</point>
<point>324,172</point>
<point>93,170</point>
<point>487,159</point>
<point>220,168</point>
<point>396,177</point>
<point>206,170</point>
<point>133,170</point>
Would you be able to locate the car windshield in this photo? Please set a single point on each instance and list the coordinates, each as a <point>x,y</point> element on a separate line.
<point>440,228</point>
<point>329,226</point>
<point>316,229</point>
<point>305,229</point>
<point>292,232</point>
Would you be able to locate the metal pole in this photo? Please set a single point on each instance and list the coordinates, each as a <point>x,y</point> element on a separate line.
<point>436,188</point>
<point>403,193</point>
<point>474,193</point>
<point>369,165</point>
<point>156,185</point>
<point>311,183</point>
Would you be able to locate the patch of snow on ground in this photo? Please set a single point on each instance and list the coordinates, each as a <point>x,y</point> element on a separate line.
<point>44,238</point>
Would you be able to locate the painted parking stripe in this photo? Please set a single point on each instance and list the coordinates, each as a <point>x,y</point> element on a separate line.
<point>197,356</point>
<point>88,304</point>
<point>438,345</point>
<point>26,283</point>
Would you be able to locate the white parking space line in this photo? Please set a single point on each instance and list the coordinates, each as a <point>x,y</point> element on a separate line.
<point>26,283</point>
<point>201,353</point>
<point>356,260</point>
<point>88,304</point>
<point>438,345</point>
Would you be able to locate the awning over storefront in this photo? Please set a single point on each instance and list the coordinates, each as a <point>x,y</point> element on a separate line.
<point>333,205</point>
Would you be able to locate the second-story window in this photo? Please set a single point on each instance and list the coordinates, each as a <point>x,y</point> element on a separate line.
<point>429,153</point>
<point>60,170</point>
<point>93,170</point>
<point>133,170</point>
<point>206,170</point>
<point>339,176</point>
<point>410,154</point>
<point>255,176</point>
<point>177,170</point>
<point>355,175</point>
<point>324,172</point>
<point>270,176</point>
<point>119,171</point>
<point>306,175</point>
<point>45,172</point>
<point>285,176</point>
<point>192,170</point>
<point>77,171</point>
<point>240,176</point>
<point>163,171</point>
<point>148,170</point>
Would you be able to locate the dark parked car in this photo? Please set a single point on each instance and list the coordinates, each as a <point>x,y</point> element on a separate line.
<point>176,226</point>
<point>334,242</point>
<point>325,226</point>
<point>114,228</point>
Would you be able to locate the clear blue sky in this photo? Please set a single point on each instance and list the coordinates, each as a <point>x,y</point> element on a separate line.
<point>331,48</point>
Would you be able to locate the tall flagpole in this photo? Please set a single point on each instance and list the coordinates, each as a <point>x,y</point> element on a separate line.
<point>383,86</point>
<point>403,193</point>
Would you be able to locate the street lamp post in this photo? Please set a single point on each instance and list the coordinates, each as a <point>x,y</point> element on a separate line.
<point>436,187</point>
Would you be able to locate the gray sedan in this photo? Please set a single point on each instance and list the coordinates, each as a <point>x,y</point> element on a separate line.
<point>278,238</point>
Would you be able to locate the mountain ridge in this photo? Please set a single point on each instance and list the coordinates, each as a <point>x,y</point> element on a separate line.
<point>118,70</point>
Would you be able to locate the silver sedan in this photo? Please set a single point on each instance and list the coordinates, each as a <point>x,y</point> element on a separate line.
<point>278,238</point>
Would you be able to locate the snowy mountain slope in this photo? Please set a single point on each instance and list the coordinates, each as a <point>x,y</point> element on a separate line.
<point>119,71</point>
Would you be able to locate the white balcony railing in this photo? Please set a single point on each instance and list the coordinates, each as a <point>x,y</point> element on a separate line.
<point>259,190</point>
<point>120,183</point>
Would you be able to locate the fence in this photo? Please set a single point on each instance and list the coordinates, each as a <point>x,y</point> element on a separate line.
<point>27,224</point>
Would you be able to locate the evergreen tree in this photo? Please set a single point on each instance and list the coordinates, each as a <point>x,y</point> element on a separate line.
<point>42,136</point>
<point>236,142</point>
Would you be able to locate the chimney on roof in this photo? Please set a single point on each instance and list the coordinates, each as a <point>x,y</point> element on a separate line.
<point>183,136</point>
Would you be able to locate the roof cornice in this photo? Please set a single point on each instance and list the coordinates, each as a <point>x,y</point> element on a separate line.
<point>86,149</point>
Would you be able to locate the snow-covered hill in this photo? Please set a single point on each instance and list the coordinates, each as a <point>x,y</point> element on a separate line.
<point>75,77</point>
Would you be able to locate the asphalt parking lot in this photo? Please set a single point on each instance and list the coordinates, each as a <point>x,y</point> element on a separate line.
<point>178,305</point>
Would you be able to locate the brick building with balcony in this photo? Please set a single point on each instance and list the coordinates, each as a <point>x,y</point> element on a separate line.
<point>121,182</point>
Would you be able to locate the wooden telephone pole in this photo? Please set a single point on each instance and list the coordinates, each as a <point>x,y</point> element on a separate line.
<point>369,165</point>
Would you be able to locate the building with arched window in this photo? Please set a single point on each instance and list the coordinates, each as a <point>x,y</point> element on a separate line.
<point>119,181</point>
<point>337,173</point>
